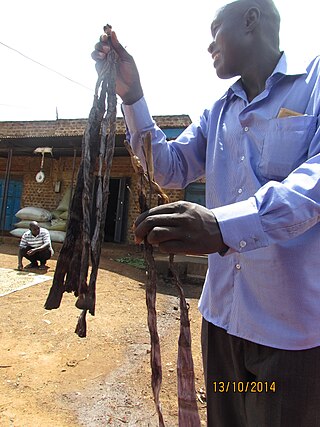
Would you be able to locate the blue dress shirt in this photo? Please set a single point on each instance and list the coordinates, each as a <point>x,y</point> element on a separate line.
<point>262,167</point>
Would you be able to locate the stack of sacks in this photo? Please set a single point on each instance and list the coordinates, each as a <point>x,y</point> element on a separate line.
<point>55,221</point>
<point>43,217</point>
<point>60,215</point>
<point>28,214</point>
<point>60,218</point>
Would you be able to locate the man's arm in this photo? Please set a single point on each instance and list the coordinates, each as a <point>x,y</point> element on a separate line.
<point>22,246</point>
<point>20,256</point>
<point>39,249</point>
<point>177,162</point>
<point>279,211</point>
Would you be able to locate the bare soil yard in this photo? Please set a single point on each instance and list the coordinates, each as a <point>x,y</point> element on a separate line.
<point>50,377</point>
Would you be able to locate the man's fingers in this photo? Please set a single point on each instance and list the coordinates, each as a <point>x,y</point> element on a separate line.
<point>121,51</point>
<point>180,227</point>
<point>102,48</point>
<point>156,228</point>
<point>98,55</point>
<point>140,219</point>
<point>169,209</point>
<point>163,216</point>
<point>162,234</point>
<point>154,224</point>
<point>100,51</point>
<point>155,234</point>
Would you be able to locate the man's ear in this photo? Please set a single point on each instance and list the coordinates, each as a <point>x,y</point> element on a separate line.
<point>252,18</point>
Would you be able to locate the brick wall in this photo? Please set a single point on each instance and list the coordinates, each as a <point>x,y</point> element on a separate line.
<point>134,210</point>
<point>43,195</point>
<point>75,127</point>
<point>60,170</point>
<point>35,194</point>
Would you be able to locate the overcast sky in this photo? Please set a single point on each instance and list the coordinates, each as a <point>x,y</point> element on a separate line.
<point>168,39</point>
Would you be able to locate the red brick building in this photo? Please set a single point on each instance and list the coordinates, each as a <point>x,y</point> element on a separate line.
<point>19,166</point>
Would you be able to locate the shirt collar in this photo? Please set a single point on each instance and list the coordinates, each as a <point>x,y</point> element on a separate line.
<point>285,66</point>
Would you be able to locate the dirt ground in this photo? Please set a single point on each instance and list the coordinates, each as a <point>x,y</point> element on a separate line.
<point>51,377</point>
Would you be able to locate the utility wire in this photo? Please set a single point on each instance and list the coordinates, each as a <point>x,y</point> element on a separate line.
<point>46,67</point>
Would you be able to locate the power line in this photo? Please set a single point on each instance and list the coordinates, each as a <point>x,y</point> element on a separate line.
<point>46,67</point>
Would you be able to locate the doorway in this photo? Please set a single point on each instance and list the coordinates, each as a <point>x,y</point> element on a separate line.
<point>117,212</point>
<point>12,200</point>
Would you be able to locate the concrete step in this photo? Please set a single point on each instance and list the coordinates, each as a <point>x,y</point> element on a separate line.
<point>187,265</point>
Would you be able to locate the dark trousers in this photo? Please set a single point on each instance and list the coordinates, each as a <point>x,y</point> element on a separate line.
<point>41,256</point>
<point>251,385</point>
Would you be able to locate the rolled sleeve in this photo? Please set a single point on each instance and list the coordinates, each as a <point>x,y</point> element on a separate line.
<point>46,237</point>
<point>23,243</point>
<point>240,226</point>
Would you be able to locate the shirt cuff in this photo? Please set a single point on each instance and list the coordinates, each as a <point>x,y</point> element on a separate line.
<point>137,116</point>
<point>240,226</point>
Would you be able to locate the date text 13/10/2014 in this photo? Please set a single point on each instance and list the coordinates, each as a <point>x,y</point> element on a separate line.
<point>244,386</point>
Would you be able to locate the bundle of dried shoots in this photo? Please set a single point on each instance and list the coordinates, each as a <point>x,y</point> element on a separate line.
<point>188,410</point>
<point>89,203</point>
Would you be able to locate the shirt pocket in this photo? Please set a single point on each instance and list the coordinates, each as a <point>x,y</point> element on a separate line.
<point>285,145</point>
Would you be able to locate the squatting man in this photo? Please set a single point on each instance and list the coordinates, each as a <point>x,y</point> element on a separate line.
<point>35,246</point>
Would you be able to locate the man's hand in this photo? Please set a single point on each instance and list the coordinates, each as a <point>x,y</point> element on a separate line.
<point>180,227</point>
<point>128,85</point>
<point>32,251</point>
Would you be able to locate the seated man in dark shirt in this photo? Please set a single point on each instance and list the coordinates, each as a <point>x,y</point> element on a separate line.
<point>35,245</point>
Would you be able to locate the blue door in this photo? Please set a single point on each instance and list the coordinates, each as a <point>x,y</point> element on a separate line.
<point>13,202</point>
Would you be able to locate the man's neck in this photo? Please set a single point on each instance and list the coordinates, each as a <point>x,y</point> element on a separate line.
<point>255,76</point>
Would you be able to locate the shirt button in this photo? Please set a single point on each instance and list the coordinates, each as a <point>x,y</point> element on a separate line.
<point>246,129</point>
<point>242,158</point>
<point>240,190</point>
<point>243,244</point>
<point>238,266</point>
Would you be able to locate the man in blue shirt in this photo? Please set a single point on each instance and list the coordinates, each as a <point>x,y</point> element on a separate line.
<point>258,148</point>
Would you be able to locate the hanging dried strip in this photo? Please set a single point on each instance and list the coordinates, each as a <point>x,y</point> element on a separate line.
<point>187,402</point>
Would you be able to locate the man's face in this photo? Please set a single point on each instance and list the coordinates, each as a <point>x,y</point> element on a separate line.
<point>34,229</point>
<point>226,48</point>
